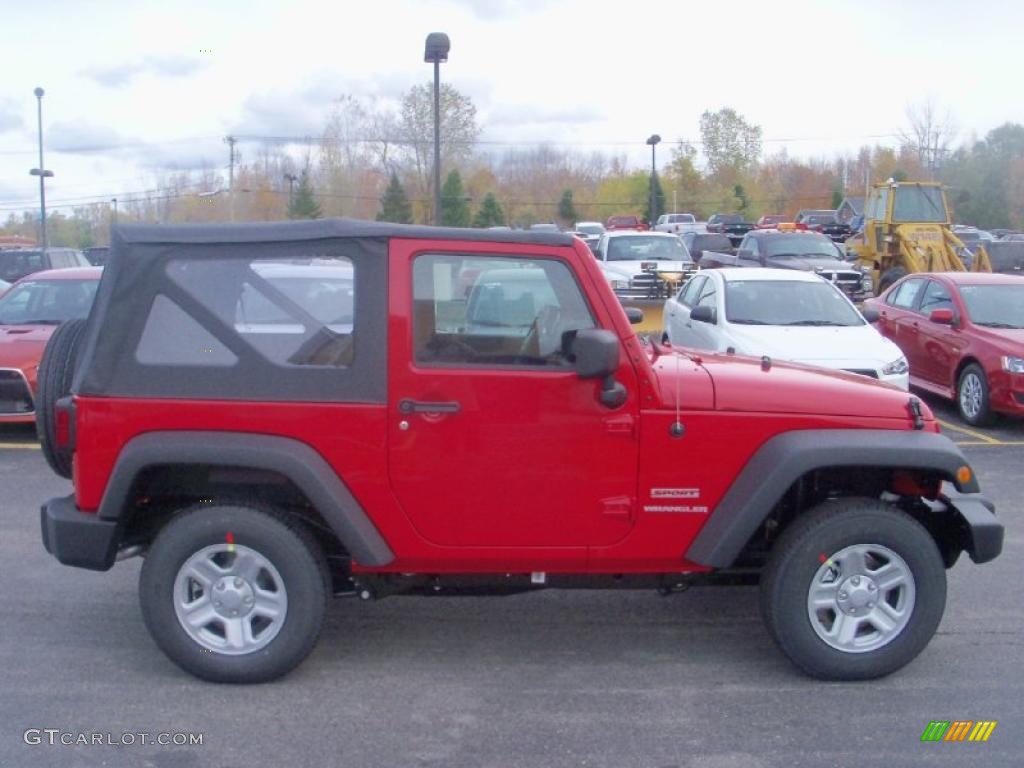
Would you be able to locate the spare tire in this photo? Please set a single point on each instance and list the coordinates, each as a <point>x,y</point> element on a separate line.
<point>53,381</point>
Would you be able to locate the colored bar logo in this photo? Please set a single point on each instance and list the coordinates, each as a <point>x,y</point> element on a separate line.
<point>959,730</point>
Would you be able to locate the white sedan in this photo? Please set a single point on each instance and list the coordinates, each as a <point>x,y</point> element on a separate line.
<point>784,314</point>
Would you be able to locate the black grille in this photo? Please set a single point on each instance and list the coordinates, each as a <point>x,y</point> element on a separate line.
<point>14,393</point>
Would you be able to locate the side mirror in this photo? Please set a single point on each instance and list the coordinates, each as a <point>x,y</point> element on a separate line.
<point>704,314</point>
<point>745,253</point>
<point>871,315</point>
<point>595,353</point>
<point>942,316</point>
<point>634,315</point>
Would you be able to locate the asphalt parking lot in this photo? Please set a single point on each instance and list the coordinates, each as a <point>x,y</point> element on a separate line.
<point>546,679</point>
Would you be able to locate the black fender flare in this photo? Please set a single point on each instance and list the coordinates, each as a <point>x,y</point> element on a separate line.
<point>293,459</point>
<point>783,459</point>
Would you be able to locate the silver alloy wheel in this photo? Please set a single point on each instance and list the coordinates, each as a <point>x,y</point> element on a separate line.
<point>861,598</point>
<point>230,599</point>
<point>971,395</point>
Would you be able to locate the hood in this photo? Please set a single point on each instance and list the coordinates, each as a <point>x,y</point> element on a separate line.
<point>1012,339</point>
<point>633,268</point>
<point>856,346</point>
<point>21,346</point>
<point>807,263</point>
<point>738,383</point>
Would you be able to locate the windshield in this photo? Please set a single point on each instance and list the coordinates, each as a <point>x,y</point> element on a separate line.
<point>681,218</point>
<point>729,218</point>
<point>778,302</point>
<point>590,229</point>
<point>799,244</point>
<point>47,302</point>
<point>913,203</point>
<point>995,306</point>
<point>641,248</point>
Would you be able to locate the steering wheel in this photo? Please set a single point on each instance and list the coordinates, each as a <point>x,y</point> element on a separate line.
<point>546,325</point>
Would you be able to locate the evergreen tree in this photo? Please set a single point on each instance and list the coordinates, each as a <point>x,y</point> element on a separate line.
<point>454,207</point>
<point>304,205</point>
<point>566,209</point>
<point>394,205</point>
<point>837,195</point>
<point>489,213</point>
<point>659,201</point>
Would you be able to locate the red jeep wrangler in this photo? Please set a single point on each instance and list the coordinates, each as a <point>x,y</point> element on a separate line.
<point>274,413</point>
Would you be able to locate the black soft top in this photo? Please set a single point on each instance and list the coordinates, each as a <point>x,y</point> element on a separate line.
<point>321,229</point>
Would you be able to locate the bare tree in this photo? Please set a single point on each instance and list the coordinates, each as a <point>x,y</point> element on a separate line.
<point>929,134</point>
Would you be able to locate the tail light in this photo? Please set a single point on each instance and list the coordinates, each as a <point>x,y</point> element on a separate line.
<point>64,424</point>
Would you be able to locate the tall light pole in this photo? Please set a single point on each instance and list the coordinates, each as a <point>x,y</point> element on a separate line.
<point>42,173</point>
<point>291,178</point>
<point>653,141</point>
<point>436,52</point>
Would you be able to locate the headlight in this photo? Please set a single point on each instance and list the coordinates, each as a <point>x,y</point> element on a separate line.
<point>1013,364</point>
<point>866,283</point>
<point>619,285</point>
<point>896,367</point>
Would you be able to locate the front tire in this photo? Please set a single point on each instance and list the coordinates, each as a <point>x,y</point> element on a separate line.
<point>234,594</point>
<point>972,397</point>
<point>853,590</point>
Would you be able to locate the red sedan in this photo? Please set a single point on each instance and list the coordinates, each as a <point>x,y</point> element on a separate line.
<point>963,335</point>
<point>29,311</point>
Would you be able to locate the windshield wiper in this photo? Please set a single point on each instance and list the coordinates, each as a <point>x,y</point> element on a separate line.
<point>748,321</point>
<point>36,322</point>
<point>817,322</point>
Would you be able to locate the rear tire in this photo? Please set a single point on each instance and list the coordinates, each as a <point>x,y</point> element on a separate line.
<point>234,594</point>
<point>889,277</point>
<point>853,590</point>
<point>56,369</point>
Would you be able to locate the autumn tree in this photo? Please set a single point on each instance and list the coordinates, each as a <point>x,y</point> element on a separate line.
<point>394,205</point>
<point>454,205</point>
<point>304,205</point>
<point>459,130</point>
<point>489,214</point>
<point>732,146</point>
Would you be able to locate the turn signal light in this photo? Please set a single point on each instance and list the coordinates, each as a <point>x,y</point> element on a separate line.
<point>964,475</point>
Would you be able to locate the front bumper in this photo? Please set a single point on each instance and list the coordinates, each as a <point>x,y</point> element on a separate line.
<point>78,538</point>
<point>970,522</point>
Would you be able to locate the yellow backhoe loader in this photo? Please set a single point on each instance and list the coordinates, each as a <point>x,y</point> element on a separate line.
<point>907,228</point>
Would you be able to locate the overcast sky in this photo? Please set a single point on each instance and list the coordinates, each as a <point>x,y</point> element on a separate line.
<point>131,91</point>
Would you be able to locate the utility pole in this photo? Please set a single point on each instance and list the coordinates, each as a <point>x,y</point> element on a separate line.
<point>231,175</point>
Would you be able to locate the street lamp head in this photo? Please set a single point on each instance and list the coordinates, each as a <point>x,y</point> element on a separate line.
<point>653,139</point>
<point>39,93</point>
<point>437,48</point>
<point>36,172</point>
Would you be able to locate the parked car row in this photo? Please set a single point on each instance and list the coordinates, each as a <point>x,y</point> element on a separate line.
<point>30,311</point>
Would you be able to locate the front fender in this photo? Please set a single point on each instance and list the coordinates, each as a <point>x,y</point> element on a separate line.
<point>785,458</point>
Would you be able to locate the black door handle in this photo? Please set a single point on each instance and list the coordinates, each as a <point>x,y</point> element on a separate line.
<point>415,406</point>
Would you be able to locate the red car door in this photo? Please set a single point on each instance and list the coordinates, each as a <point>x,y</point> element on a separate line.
<point>494,441</point>
<point>939,344</point>
<point>900,320</point>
